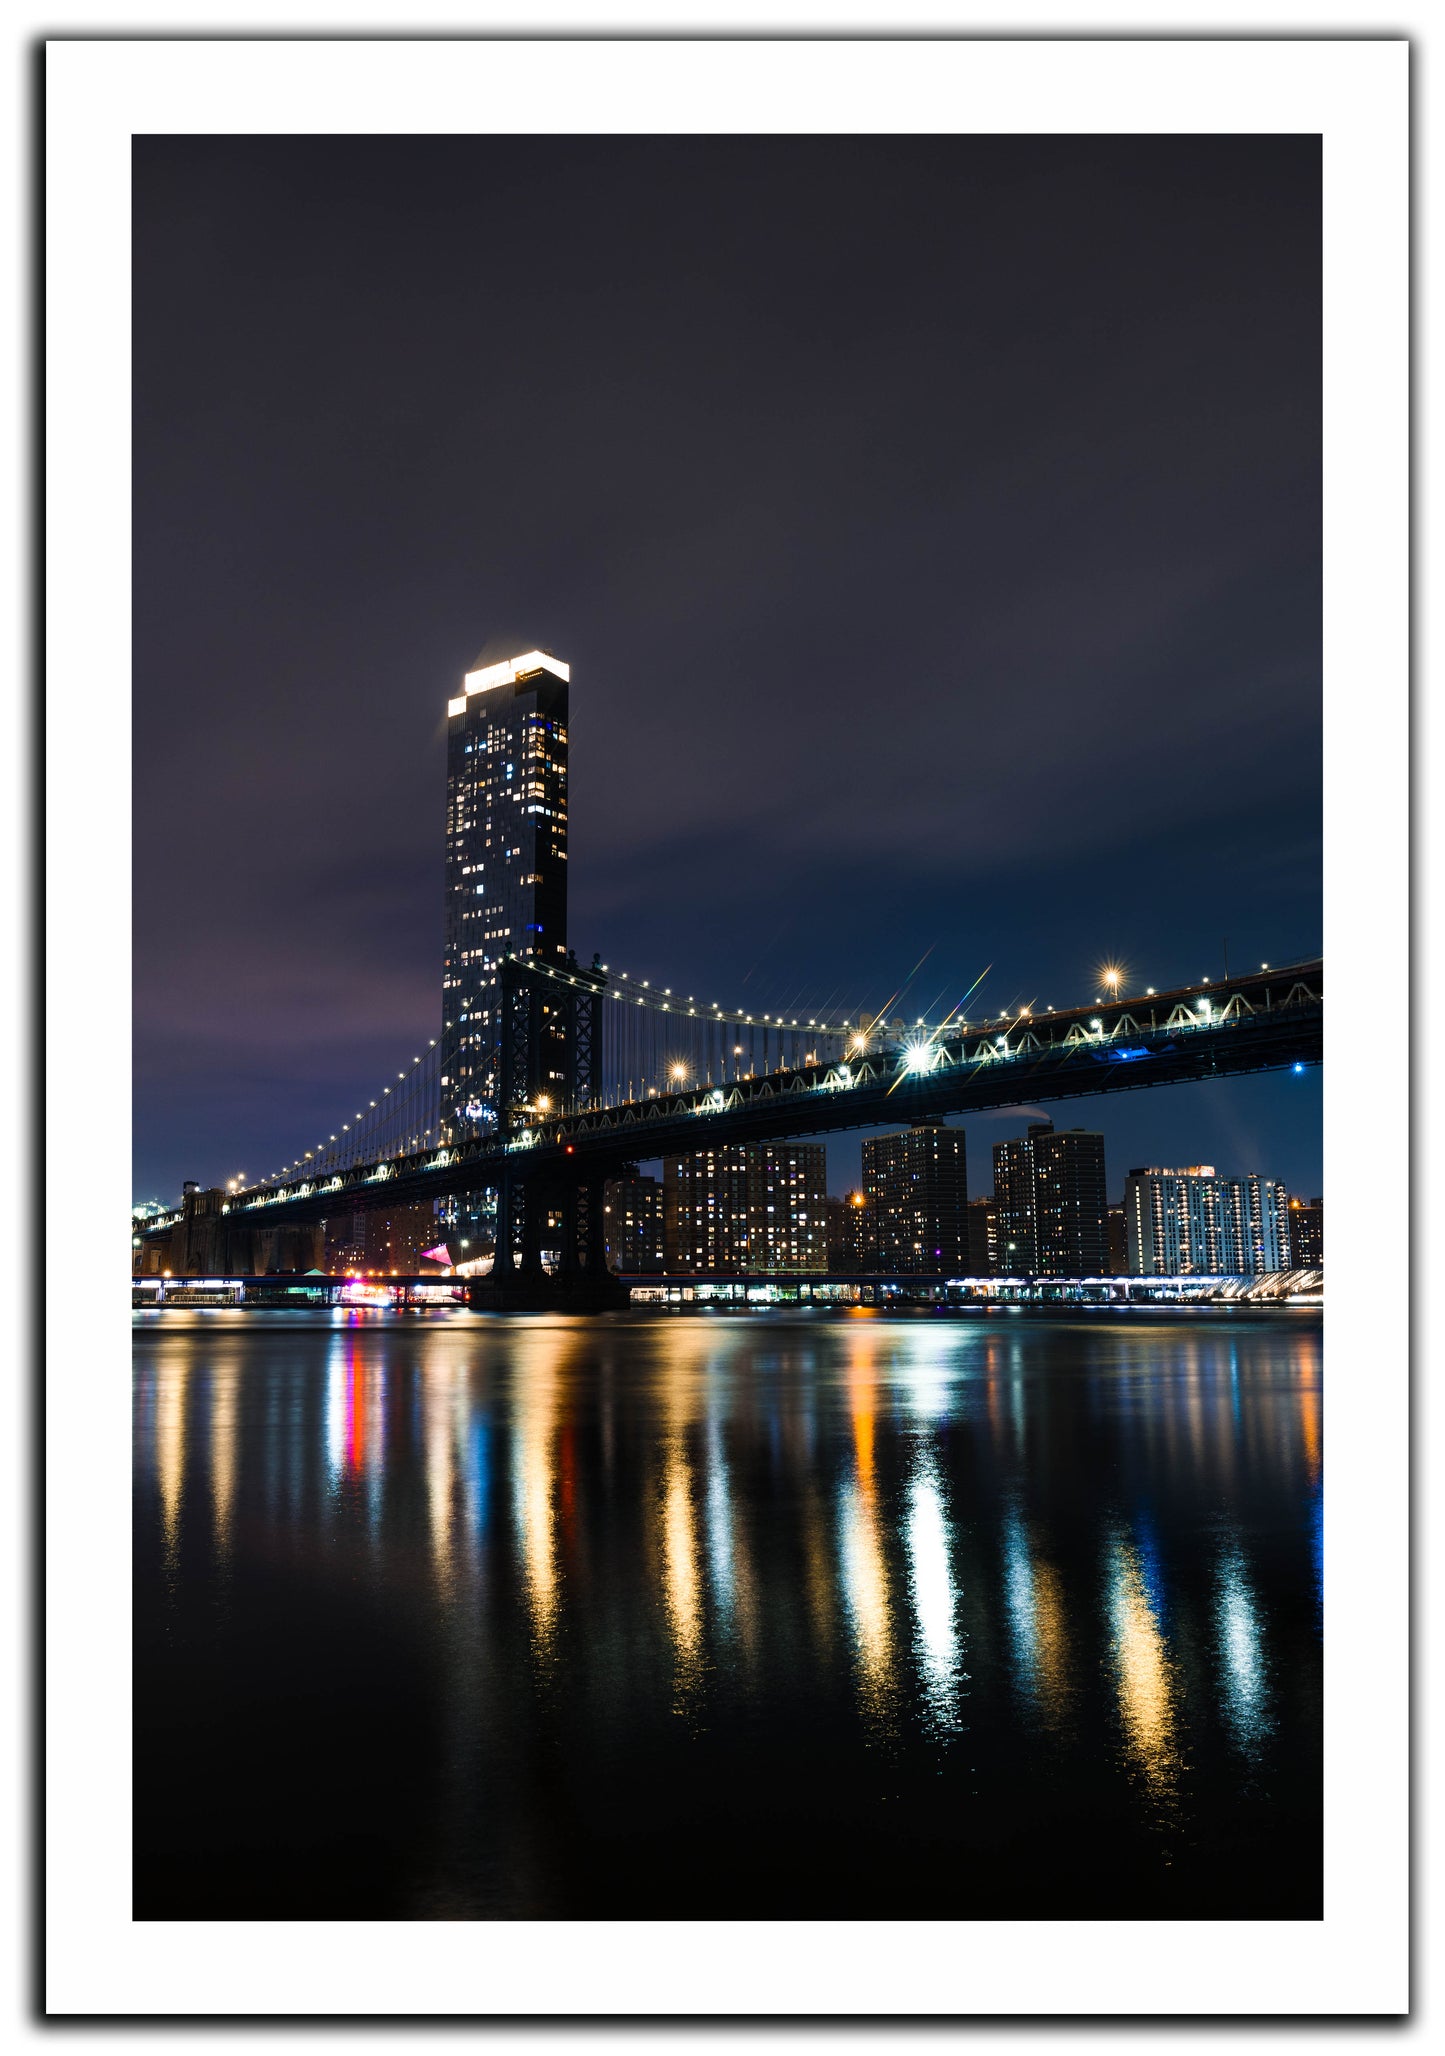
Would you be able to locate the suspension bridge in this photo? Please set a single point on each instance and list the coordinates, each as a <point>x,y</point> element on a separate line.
<point>655,1072</point>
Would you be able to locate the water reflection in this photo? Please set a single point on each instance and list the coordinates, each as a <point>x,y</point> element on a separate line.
<point>1240,1634</point>
<point>336,1416</point>
<point>1309,1409</point>
<point>681,1580</point>
<point>439,1432</point>
<point>1143,1670</point>
<point>535,1409</point>
<point>1088,1545</point>
<point>1034,1596</point>
<point>720,1546</point>
<point>927,1540</point>
<point>225,1397</point>
<point>170,1457</point>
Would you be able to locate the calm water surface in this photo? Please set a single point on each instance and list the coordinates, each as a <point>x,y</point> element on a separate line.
<point>446,1617</point>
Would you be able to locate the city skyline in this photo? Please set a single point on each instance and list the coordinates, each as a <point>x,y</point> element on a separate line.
<point>882,702</point>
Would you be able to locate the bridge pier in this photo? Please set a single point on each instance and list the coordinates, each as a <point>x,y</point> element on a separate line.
<point>581,1283</point>
<point>595,1245</point>
<point>502,1262</point>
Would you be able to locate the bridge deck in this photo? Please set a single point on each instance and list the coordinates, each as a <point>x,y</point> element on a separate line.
<point>1269,1021</point>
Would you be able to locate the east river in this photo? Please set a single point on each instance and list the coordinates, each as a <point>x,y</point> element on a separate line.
<point>445,1616</point>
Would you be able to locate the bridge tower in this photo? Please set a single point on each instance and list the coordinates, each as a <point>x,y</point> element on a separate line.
<point>551,1066</point>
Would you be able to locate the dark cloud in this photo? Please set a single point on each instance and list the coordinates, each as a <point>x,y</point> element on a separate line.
<point>933,525</point>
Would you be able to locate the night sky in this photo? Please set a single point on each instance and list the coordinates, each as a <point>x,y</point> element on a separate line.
<point>932,525</point>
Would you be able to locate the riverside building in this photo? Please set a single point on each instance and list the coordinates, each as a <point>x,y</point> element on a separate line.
<point>1307,1234</point>
<point>1051,1209</point>
<point>916,1185</point>
<point>1263,1231</point>
<point>633,1211</point>
<point>1193,1223</point>
<point>983,1237</point>
<point>747,1207</point>
<point>852,1237</point>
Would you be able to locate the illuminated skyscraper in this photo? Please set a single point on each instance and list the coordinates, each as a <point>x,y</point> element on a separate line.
<point>506,873</point>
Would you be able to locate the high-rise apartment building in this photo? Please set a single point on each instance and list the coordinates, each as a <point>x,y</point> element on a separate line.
<point>1193,1223</point>
<point>1265,1237</point>
<point>917,1184</point>
<point>633,1211</point>
<point>747,1206</point>
<point>1307,1234</point>
<point>1052,1213</point>
<point>1118,1229</point>
<point>506,874</point>
<point>1177,1223</point>
<point>983,1237</point>
<point>852,1235</point>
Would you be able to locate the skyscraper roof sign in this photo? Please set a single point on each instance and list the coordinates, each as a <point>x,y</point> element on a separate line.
<point>489,676</point>
<point>512,668</point>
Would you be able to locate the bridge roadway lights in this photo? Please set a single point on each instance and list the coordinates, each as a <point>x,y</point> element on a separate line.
<point>1280,1027</point>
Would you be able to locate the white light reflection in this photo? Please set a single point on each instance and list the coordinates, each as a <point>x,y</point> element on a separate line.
<point>865,1592</point>
<point>720,1525</point>
<point>927,1364</point>
<point>1241,1651</point>
<point>336,1416</point>
<point>1018,1585</point>
<point>935,1598</point>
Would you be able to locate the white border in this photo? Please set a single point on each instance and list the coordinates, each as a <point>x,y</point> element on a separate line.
<point>1354,93</point>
